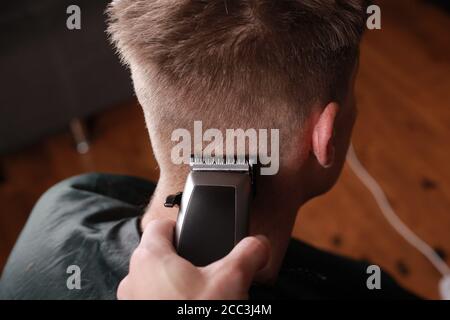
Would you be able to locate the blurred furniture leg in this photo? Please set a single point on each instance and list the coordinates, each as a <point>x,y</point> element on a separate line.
<point>80,135</point>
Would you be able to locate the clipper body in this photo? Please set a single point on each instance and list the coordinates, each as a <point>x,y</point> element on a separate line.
<point>214,211</point>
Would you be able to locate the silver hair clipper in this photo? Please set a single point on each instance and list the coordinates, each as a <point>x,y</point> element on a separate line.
<point>213,208</point>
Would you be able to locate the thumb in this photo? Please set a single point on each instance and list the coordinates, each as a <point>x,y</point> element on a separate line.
<point>158,234</point>
<point>249,256</point>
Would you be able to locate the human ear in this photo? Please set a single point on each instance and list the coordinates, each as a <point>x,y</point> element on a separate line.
<point>322,140</point>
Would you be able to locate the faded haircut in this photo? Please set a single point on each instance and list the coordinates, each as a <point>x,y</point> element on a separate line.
<point>236,63</point>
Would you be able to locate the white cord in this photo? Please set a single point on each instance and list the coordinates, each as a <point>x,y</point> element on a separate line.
<point>397,224</point>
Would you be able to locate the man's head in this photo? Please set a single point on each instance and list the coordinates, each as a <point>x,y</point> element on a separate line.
<point>261,64</point>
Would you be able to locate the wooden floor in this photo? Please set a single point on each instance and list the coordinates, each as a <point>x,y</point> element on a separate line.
<point>402,137</point>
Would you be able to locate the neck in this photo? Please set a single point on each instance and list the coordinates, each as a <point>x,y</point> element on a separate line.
<point>271,216</point>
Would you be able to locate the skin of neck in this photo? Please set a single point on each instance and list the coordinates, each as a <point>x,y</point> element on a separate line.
<point>273,214</point>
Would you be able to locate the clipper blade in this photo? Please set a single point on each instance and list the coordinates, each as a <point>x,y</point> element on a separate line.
<point>235,164</point>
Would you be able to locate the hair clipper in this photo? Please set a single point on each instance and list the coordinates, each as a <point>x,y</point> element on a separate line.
<point>213,208</point>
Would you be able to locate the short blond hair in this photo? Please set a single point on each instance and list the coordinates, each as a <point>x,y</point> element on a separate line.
<point>235,64</point>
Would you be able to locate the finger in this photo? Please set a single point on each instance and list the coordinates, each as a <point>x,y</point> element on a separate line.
<point>248,257</point>
<point>122,290</point>
<point>158,234</point>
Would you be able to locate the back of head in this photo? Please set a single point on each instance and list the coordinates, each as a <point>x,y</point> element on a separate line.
<point>235,63</point>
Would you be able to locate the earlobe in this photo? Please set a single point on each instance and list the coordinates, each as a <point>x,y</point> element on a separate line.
<point>322,140</point>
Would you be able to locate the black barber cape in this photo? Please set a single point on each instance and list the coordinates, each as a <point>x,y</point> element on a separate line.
<point>91,222</point>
